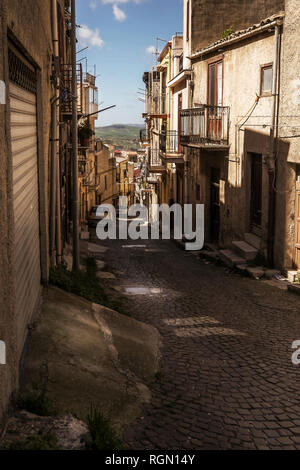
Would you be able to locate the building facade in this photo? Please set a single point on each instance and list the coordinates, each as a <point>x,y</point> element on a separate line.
<point>28,82</point>
<point>227,126</point>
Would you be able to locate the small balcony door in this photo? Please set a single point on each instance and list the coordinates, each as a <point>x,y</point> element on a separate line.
<point>215,100</point>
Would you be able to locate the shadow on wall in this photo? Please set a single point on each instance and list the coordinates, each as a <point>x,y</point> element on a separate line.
<point>258,198</point>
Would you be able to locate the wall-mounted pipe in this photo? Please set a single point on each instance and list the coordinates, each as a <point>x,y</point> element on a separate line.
<point>54,137</point>
<point>272,152</point>
<point>75,191</point>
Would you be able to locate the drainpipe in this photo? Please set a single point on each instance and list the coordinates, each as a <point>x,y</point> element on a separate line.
<point>55,222</point>
<point>272,154</point>
<point>75,204</point>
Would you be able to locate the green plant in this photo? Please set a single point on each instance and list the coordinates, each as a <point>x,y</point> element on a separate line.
<point>85,131</point>
<point>82,283</point>
<point>37,402</point>
<point>227,32</point>
<point>85,283</point>
<point>103,436</point>
<point>36,442</point>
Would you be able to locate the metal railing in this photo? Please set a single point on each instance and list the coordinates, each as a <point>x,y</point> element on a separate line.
<point>169,142</point>
<point>156,104</point>
<point>154,159</point>
<point>205,125</point>
<point>66,89</point>
<point>89,78</point>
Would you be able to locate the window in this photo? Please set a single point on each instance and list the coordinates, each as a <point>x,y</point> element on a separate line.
<point>266,79</point>
<point>105,183</point>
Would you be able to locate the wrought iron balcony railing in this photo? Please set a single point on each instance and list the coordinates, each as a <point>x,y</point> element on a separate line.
<point>66,89</point>
<point>205,125</point>
<point>156,104</point>
<point>154,158</point>
<point>169,143</point>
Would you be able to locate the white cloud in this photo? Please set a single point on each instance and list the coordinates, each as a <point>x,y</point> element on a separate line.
<point>151,50</point>
<point>89,37</point>
<point>93,4</point>
<point>119,14</point>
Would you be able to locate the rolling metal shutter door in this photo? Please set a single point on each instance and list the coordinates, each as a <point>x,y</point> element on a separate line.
<point>23,117</point>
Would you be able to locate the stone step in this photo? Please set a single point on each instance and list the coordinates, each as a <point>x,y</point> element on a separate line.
<point>256,273</point>
<point>292,276</point>
<point>245,250</point>
<point>253,240</point>
<point>295,288</point>
<point>231,259</point>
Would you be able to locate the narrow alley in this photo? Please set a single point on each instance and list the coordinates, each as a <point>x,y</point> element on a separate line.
<point>226,379</point>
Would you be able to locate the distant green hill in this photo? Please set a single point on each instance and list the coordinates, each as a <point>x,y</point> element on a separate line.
<point>122,135</point>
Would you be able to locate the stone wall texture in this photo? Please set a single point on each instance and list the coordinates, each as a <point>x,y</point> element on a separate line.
<point>210,18</point>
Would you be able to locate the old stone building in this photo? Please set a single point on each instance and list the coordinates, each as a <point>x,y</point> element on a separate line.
<point>203,26</point>
<point>287,234</point>
<point>35,173</point>
<point>240,140</point>
<point>106,175</point>
<point>26,91</point>
<point>229,90</point>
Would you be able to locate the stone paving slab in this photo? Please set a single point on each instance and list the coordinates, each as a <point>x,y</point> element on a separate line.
<point>226,379</point>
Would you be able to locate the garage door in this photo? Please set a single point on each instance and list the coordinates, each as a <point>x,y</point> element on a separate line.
<point>23,120</point>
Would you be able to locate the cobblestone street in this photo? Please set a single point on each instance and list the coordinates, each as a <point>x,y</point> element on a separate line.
<point>226,379</point>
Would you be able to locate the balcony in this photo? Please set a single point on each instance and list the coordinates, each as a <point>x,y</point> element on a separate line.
<point>90,79</point>
<point>170,148</point>
<point>144,137</point>
<point>82,160</point>
<point>155,162</point>
<point>157,106</point>
<point>205,127</point>
<point>66,90</point>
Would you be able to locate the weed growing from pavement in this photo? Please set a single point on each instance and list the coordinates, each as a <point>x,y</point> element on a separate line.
<point>84,283</point>
<point>36,401</point>
<point>102,434</point>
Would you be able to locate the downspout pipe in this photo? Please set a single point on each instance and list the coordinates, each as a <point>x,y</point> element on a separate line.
<point>272,151</point>
<point>75,191</point>
<point>54,200</point>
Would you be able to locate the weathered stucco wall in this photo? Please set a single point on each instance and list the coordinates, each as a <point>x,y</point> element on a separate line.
<point>241,85</point>
<point>289,130</point>
<point>208,27</point>
<point>290,81</point>
<point>29,26</point>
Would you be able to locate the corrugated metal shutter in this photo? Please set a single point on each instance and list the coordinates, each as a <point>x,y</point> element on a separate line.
<point>23,116</point>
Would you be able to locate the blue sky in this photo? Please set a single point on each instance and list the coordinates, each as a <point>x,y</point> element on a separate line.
<point>120,35</point>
